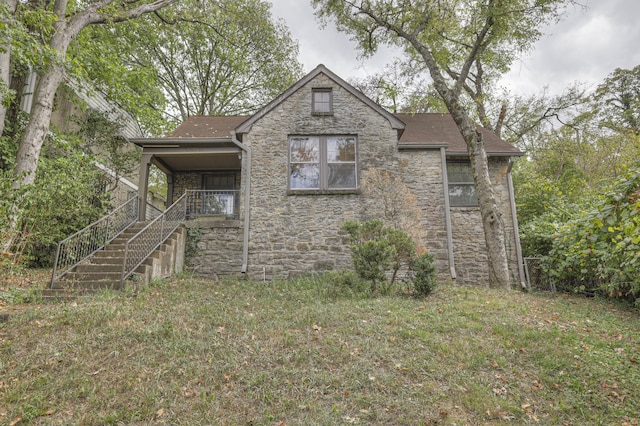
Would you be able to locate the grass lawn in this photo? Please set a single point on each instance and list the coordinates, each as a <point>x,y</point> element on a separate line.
<point>306,352</point>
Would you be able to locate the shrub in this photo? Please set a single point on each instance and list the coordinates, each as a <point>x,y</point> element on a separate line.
<point>424,274</point>
<point>602,246</point>
<point>379,252</point>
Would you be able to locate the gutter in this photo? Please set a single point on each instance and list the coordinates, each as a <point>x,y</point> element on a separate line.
<point>514,219</point>
<point>247,199</point>
<point>447,212</point>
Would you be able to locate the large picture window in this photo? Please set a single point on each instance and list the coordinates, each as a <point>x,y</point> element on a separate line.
<point>462,190</point>
<point>322,162</point>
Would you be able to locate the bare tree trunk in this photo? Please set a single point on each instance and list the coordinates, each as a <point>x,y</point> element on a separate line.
<point>5,60</point>
<point>492,223</point>
<point>36,131</point>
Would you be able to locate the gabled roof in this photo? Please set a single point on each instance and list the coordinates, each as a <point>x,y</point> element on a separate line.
<point>320,69</point>
<point>435,130</point>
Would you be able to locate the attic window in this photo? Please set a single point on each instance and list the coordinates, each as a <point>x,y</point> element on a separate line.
<point>322,101</point>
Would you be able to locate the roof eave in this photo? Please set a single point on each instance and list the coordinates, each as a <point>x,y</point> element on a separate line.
<point>489,153</point>
<point>141,142</point>
<point>409,145</point>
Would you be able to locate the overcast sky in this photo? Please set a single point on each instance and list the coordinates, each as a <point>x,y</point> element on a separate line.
<point>586,46</point>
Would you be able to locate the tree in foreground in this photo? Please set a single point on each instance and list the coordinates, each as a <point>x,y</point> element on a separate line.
<point>71,18</point>
<point>465,45</point>
<point>56,25</point>
<point>206,58</point>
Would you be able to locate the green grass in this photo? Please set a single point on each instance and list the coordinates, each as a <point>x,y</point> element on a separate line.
<point>191,351</point>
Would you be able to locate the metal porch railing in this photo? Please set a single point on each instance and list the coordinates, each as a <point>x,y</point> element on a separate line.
<point>213,203</point>
<point>145,242</point>
<point>84,243</point>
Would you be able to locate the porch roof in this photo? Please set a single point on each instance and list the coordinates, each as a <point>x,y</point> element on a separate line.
<point>191,153</point>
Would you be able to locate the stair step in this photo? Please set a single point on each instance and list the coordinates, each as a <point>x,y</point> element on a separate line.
<point>100,267</point>
<point>66,294</point>
<point>74,277</point>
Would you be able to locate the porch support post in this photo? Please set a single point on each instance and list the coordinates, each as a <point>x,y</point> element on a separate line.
<point>170,181</point>
<point>143,185</point>
<point>447,212</point>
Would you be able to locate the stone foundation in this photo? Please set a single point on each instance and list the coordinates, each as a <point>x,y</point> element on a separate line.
<point>219,249</point>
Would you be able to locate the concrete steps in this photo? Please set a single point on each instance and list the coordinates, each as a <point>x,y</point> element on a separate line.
<point>104,269</point>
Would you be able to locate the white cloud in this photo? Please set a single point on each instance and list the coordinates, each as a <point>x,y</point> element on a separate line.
<point>585,47</point>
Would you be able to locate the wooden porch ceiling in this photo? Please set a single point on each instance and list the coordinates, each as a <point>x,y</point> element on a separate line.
<point>193,162</point>
<point>192,154</point>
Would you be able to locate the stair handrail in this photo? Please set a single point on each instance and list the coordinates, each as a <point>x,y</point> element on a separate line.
<point>79,246</point>
<point>139,247</point>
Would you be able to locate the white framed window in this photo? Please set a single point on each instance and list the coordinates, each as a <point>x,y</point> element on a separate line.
<point>462,189</point>
<point>323,162</point>
<point>322,101</point>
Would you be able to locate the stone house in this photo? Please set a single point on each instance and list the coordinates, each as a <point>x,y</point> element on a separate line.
<point>286,178</point>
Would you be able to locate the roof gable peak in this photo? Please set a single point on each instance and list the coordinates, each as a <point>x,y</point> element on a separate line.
<point>320,69</point>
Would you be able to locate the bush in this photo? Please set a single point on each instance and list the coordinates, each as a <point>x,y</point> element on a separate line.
<point>424,270</point>
<point>602,247</point>
<point>379,252</point>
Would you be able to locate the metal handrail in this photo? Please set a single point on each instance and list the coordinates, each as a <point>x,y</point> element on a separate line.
<point>152,212</point>
<point>78,247</point>
<point>145,242</point>
<point>212,203</point>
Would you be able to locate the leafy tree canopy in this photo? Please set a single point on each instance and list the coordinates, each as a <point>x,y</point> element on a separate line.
<point>195,58</point>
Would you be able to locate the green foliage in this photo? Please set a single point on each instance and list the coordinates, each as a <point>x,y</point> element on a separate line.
<point>67,196</point>
<point>24,30</point>
<point>424,274</point>
<point>617,101</point>
<point>379,252</point>
<point>217,58</point>
<point>194,235</point>
<point>19,296</point>
<point>100,138</point>
<point>601,248</point>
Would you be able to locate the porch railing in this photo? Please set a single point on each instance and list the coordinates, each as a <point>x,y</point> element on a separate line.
<point>212,203</point>
<point>79,246</point>
<point>145,242</point>
<point>152,212</point>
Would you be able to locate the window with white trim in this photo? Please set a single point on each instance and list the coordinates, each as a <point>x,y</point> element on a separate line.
<point>462,189</point>
<point>322,162</point>
<point>322,101</point>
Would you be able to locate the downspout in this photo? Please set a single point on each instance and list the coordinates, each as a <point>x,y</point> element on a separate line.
<point>247,199</point>
<point>447,213</point>
<point>514,219</point>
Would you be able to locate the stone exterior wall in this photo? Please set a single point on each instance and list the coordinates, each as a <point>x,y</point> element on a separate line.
<point>186,180</point>
<point>297,234</point>
<point>421,172</point>
<point>218,249</point>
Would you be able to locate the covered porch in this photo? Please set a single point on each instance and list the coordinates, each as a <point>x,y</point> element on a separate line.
<point>208,170</point>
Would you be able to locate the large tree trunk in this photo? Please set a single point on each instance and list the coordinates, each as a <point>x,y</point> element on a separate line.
<point>5,61</point>
<point>492,223</point>
<point>36,131</point>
